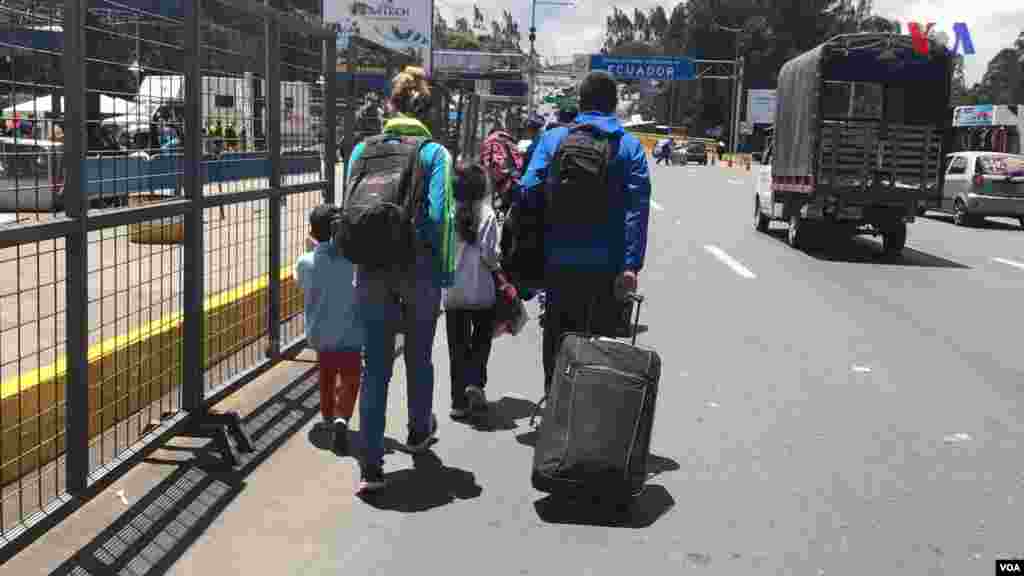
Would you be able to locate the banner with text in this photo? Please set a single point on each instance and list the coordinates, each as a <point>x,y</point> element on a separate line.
<point>761,106</point>
<point>399,25</point>
<point>657,68</point>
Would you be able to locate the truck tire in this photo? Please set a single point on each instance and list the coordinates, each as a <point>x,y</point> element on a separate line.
<point>796,235</point>
<point>761,222</point>
<point>894,239</point>
<point>960,215</point>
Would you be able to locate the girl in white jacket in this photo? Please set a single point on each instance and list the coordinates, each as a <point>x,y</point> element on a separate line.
<point>469,303</point>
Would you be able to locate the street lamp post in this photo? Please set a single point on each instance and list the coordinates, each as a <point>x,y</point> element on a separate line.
<point>532,71</point>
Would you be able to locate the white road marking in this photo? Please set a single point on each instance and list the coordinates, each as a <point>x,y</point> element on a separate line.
<point>861,369</point>
<point>1009,262</point>
<point>734,181</point>
<point>729,261</point>
<point>657,206</point>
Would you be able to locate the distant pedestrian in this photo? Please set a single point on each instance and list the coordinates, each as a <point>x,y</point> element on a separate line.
<point>534,126</point>
<point>333,325</point>
<point>663,151</point>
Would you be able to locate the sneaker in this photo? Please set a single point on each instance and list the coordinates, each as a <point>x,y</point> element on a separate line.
<point>371,479</point>
<point>476,397</point>
<point>416,443</point>
<point>340,436</point>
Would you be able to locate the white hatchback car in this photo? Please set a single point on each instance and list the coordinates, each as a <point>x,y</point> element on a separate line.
<point>980,184</point>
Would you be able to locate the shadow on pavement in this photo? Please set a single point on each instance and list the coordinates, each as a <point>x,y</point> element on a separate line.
<point>643,512</point>
<point>428,484</point>
<point>502,415</point>
<point>157,529</point>
<point>981,224</point>
<point>862,250</point>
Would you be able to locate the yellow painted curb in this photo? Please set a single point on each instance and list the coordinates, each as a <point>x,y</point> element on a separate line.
<point>127,373</point>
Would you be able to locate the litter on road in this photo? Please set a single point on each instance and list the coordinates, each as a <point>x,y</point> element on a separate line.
<point>956,438</point>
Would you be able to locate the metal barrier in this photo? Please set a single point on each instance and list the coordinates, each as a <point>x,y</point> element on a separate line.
<point>152,212</point>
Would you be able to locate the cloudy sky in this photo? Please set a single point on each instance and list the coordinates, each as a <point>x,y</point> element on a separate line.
<point>563,31</point>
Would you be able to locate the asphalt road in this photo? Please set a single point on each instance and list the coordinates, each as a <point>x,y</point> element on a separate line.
<point>837,414</point>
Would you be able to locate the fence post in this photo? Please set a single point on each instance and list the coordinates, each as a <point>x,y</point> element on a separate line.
<point>273,109</point>
<point>330,119</point>
<point>76,247</point>
<point>193,385</point>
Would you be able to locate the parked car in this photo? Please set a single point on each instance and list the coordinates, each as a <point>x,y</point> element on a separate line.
<point>696,152</point>
<point>980,184</point>
<point>679,156</point>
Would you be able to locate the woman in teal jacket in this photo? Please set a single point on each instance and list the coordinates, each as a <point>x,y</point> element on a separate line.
<point>408,300</point>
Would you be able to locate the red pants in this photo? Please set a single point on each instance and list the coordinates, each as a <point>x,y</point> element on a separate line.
<point>339,401</point>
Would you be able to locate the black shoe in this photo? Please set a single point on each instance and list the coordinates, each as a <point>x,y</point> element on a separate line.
<point>459,412</point>
<point>371,479</point>
<point>340,436</point>
<point>476,398</point>
<point>417,443</point>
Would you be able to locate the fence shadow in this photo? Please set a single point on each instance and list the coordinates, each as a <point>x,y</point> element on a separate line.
<point>157,529</point>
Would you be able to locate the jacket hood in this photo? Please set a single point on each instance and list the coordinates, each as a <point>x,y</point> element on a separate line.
<point>406,126</point>
<point>607,123</point>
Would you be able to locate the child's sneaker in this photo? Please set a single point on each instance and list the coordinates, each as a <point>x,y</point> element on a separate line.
<point>371,479</point>
<point>340,436</point>
<point>417,443</point>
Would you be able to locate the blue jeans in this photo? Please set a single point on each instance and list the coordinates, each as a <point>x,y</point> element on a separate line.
<point>393,301</point>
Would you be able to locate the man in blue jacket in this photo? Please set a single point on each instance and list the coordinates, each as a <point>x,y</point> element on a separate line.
<point>616,251</point>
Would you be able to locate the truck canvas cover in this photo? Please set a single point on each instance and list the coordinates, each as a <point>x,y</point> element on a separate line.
<point>884,59</point>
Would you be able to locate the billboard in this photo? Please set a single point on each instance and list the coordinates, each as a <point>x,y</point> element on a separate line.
<point>761,106</point>
<point>974,115</point>
<point>399,25</point>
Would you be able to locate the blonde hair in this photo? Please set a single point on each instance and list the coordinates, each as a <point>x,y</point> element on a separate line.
<point>410,91</point>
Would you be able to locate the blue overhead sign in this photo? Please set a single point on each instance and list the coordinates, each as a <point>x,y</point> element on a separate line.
<point>656,68</point>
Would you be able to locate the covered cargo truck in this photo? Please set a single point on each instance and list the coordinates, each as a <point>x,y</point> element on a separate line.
<point>858,141</point>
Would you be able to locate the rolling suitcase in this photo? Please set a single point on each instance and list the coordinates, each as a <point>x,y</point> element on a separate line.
<point>595,435</point>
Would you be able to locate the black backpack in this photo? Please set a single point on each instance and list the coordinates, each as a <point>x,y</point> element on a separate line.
<point>576,191</point>
<point>377,225</point>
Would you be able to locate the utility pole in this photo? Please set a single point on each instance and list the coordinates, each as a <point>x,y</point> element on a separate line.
<point>737,74</point>
<point>532,71</point>
<point>739,100</point>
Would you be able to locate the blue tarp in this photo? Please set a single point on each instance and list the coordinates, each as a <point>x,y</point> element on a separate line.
<point>119,176</point>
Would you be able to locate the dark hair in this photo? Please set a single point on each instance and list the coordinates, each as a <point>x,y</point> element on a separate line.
<point>320,222</point>
<point>470,190</point>
<point>599,92</point>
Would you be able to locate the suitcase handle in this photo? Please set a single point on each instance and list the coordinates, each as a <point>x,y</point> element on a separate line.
<point>634,297</point>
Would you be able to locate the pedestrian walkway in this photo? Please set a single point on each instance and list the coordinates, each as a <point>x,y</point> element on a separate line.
<point>290,507</point>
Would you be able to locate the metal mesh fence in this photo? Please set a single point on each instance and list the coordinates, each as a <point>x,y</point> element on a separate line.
<point>236,281</point>
<point>95,257</point>
<point>33,339</point>
<point>32,288</point>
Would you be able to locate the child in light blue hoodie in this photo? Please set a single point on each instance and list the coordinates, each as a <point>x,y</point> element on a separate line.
<point>333,326</point>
